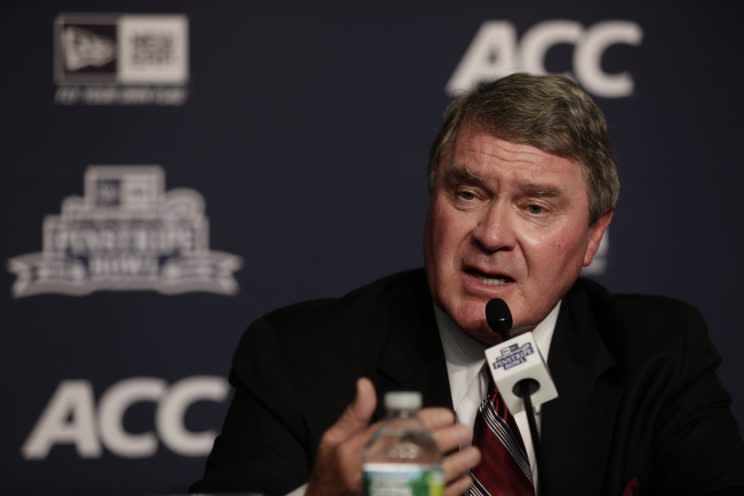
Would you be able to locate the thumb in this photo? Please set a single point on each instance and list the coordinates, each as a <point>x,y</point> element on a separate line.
<point>357,415</point>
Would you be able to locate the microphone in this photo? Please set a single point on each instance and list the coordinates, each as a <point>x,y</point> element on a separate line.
<point>499,317</point>
<point>515,364</point>
<point>520,374</point>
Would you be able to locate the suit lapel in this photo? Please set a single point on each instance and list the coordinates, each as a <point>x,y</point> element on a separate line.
<point>412,357</point>
<point>574,426</point>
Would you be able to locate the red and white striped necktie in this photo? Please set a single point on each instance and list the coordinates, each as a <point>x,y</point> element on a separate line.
<point>504,468</point>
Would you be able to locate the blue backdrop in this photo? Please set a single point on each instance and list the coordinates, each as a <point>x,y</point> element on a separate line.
<point>171,171</point>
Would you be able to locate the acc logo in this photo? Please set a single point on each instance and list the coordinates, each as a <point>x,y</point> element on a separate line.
<point>494,53</point>
<point>121,59</point>
<point>126,233</point>
<point>513,355</point>
<point>71,418</point>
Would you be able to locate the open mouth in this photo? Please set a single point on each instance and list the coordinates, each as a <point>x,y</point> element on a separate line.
<point>488,278</point>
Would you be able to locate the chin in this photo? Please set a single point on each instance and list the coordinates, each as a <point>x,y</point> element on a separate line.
<point>487,338</point>
<point>470,316</point>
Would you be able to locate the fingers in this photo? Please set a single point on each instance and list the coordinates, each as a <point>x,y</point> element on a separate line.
<point>435,417</point>
<point>452,437</point>
<point>460,462</point>
<point>338,465</point>
<point>449,437</point>
<point>356,416</point>
<point>456,468</point>
<point>459,487</point>
<point>365,400</point>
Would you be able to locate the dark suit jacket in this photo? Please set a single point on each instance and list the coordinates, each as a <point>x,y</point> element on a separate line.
<point>639,398</point>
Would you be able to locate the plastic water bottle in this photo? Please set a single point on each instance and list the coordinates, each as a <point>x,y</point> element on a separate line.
<point>402,458</point>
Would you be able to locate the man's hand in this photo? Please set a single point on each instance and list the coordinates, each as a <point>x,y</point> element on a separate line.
<point>456,464</point>
<point>338,466</point>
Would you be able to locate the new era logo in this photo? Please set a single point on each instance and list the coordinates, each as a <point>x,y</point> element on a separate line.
<point>121,49</point>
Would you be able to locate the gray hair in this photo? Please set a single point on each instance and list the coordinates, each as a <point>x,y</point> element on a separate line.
<point>548,112</point>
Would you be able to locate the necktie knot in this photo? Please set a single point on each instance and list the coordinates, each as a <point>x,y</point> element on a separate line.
<point>499,405</point>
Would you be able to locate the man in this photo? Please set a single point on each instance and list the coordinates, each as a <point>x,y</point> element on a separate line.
<point>523,186</point>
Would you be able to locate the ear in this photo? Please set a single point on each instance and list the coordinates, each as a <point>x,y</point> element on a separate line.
<point>596,231</point>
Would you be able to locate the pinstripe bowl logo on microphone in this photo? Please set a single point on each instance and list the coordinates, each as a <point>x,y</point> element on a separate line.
<point>513,355</point>
<point>126,233</point>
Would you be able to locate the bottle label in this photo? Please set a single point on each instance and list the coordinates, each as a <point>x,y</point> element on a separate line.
<point>403,479</point>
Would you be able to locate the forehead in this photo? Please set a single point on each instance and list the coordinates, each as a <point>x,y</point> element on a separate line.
<point>481,155</point>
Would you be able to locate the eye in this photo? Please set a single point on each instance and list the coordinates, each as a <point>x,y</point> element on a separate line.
<point>535,209</point>
<point>466,195</point>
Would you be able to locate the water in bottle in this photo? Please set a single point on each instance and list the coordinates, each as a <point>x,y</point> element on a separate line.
<point>402,458</point>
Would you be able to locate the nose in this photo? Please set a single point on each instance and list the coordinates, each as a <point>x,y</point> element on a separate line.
<point>495,230</point>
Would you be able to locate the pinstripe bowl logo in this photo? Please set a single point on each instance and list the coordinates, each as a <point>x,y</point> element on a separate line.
<point>513,355</point>
<point>126,233</point>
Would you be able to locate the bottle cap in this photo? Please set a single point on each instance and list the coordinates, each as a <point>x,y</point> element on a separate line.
<point>403,400</point>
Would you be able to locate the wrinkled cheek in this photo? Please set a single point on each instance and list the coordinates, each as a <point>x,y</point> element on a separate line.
<point>572,254</point>
<point>441,275</point>
<point>434,238</point>
<point>428,240</point>
<point>469,314</point>
<point>437,261</point>
<point>432,257</point>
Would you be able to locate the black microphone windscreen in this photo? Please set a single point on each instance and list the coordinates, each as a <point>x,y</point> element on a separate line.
<point>499,317</point>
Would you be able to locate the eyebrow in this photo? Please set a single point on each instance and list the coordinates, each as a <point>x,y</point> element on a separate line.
<point>462,174</point>
<point>540,190</point>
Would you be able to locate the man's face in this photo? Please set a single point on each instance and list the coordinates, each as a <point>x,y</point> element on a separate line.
<point>506,221</point>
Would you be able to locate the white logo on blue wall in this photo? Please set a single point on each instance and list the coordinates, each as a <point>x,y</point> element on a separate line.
<point>121,59</point>
<point>82,48</point>
<point>496,51</point>
<point>73,416</point>
<point>513,355</point>
<point>126,233</point>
